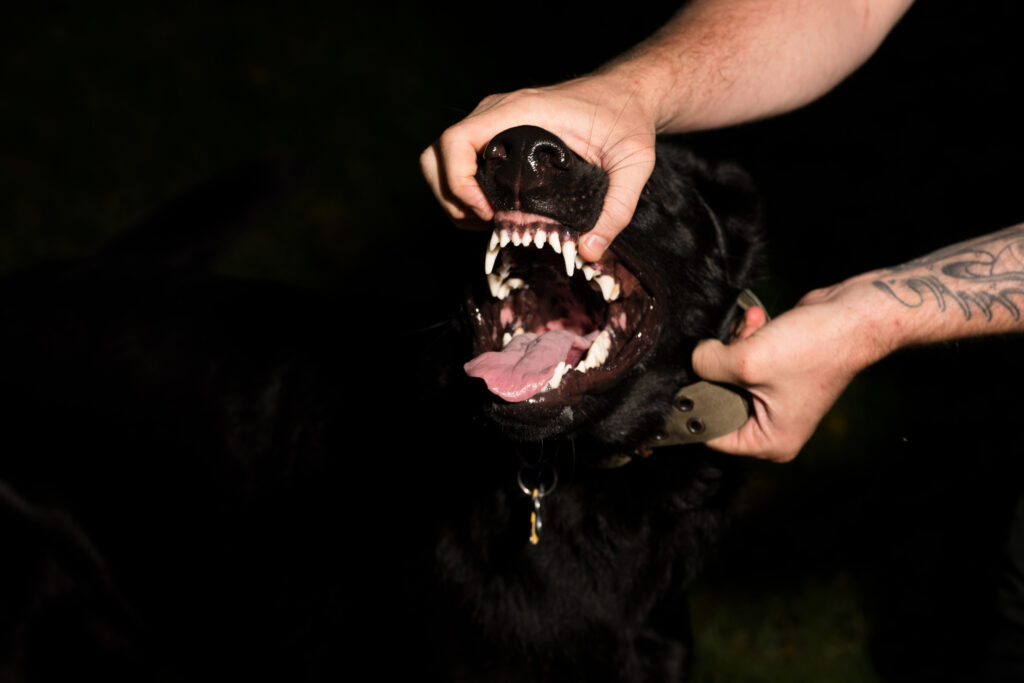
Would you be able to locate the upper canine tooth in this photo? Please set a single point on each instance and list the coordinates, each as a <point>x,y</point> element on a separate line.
<point>555,240</point>
<point>505,237</point>
<point>540,238</point>
<point>569,254</point>
<point>607,284</point>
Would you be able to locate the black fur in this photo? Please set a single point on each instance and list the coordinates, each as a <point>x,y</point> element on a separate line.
<point>199,484</point>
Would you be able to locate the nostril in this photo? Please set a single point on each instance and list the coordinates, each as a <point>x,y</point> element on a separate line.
<point>548,154</point>
<point>496,150</point>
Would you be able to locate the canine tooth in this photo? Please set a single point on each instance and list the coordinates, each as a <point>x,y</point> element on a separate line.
<point>555,240</point>
<point>527,238</point>
<point>490,258</point>
<point>505,339</point>
<point>598,352</point>
<point>505,237</point>
<point>556,379</point>
<point>494,283</point>
<point>540,238</point>
<point>588,272</point>
<point>517,239</point>
<point>607,284</point>
<point>569,254</point>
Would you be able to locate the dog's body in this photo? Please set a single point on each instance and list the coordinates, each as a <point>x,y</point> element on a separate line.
<point>190,469</point>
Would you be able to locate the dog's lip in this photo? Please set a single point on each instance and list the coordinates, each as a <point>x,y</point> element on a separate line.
<point>631,341</point>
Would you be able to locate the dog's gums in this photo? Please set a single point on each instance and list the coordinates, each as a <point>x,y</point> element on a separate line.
<point>551,317</point>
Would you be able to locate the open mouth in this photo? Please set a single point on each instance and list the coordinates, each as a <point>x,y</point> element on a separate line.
<point>554,327</point>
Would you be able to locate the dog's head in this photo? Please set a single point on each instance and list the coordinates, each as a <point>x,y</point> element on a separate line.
<point>596,350</point>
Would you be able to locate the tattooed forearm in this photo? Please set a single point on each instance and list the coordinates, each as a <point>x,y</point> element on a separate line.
<point>983,275</point>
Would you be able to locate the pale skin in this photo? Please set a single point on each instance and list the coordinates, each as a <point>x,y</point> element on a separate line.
<point>797,366</point>
<point>722,62</point>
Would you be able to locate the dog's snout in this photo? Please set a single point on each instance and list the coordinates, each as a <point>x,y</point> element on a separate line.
<point>530,169</point>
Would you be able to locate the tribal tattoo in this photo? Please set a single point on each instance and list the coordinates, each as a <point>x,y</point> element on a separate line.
<point>984,274</point>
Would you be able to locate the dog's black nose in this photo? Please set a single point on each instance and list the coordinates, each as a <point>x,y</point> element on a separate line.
<point>530,169</point>
<point>529,150</point>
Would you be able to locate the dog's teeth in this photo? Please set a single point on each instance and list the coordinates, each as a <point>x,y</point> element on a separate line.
<point>495,241</point>
<point>518,331</point>
<point>556,379</point>
<point>527,238</point>
<point>588,272</point>
<point>505,238</point>
<point>598,352</point>
<point>494,283</point>
<point>514,283</point>
<point>504,269</point>
<point>607,284</point>
<point>579,262</point>
<point>506,339</point>
<point>616,291</point>
<point>540,238</point>
<point>555,240</point>
<point>569,254</point>
<point>517,239</point>
<point>490,257</point>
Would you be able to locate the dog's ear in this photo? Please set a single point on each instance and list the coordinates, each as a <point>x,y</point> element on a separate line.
<point>734,203</point>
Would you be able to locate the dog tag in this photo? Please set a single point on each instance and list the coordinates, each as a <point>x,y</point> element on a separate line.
<point>535,522</point>
<point>536,492</point>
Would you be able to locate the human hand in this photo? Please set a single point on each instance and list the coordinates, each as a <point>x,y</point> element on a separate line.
<point>794,367</point>
<point>599,117</point>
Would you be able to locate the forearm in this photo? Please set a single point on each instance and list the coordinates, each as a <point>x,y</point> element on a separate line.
<point>721,62</point>
<point>969,289</point>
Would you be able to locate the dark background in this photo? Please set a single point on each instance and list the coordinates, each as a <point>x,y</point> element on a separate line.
<point>872,556</point>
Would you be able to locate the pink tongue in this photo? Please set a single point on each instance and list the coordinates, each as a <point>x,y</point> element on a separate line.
<point>526,365</point>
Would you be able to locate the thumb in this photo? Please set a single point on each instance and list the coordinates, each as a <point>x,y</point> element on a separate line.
<point>624,188</point>
<point>713,360</point>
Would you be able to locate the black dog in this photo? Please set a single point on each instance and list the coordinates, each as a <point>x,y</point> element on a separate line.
<point>200,482</point>
<point>582,368</point>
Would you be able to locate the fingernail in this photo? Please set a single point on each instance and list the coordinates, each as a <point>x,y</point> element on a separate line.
<point>595,244</point>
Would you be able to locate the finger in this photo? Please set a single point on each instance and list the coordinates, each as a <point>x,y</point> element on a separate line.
<point>624,188</point>
<point>754,318</point>
<point>712,360</point>
<point>456,157</point>
<point>457,212</point>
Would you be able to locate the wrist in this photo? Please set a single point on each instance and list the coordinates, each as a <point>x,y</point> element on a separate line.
<point>869,327</point>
